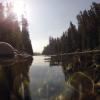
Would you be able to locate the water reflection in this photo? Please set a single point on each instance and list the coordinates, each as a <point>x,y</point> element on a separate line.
<point>14,79</point>
<point>44,79</point>
<point>45,82</point>
<point>48,82</point>
<point>81,76</point>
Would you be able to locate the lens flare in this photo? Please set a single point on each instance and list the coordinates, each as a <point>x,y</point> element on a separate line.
<point>18,7</point>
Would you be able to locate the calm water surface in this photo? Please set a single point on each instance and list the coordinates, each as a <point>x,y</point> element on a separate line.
<point>46,82</point>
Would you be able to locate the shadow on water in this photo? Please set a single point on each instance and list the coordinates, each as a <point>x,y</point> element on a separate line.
<point>14,79</point>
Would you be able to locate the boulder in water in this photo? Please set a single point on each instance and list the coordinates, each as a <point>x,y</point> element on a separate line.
<point>7,54</point>
<point>6,49</point>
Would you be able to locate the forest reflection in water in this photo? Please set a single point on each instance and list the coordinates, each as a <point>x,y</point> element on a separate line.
<point>40,79</point>
<point>47,82</point>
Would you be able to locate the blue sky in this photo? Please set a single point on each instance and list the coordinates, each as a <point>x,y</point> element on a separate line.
<point>51,18</point>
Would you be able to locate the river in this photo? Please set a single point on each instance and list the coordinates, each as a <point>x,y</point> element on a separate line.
<point>46,82</point>
<point>43,79</point>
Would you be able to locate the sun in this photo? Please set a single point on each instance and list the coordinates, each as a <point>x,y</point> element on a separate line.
<point>18,7</point>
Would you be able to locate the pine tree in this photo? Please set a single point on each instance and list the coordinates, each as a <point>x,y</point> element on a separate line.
<point>26,39</point>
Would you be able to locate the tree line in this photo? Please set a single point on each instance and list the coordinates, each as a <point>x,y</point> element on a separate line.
<point>13,31</point>
<point>85,37</point>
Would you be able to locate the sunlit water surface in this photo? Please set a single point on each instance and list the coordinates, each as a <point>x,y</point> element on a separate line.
<point>46,82</point>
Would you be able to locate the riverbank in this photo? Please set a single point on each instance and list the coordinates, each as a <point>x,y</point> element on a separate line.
<point>14,77</point>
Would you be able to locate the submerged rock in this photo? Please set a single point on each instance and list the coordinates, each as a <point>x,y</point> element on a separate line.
<point>83,87</point>
<point>82,82</point>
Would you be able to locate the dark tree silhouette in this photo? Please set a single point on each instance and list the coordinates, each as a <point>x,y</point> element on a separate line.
<point>85,37</point>
<point>26,39</point>
<point>10,30</point>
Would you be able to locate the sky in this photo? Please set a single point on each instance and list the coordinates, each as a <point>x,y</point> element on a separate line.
<point>51,18</point>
